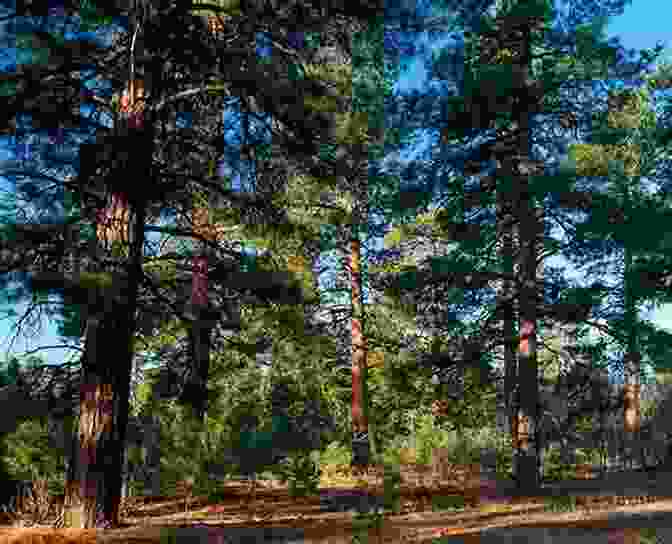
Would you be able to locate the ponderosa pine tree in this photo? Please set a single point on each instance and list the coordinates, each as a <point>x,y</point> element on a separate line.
<point>631,136</point>
<point>112,313</point>
<point>505,86</point>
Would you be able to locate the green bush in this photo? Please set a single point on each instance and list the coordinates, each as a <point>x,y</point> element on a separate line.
<point>554,469</point>
<point>462,451</point>
<point>391,455</point>
<point>28,455</point>
<point>135,487</point>
<point>428,437</point>
<point>217,493</point>
<point>335,454</point>
<point>501,443</point>
<point>302,474</point>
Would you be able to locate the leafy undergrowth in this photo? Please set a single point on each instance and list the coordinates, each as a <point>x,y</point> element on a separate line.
<point>426,510</point>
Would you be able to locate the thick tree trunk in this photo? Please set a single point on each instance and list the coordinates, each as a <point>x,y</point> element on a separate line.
<point>524,400</point>
<point>94,476</point>
<point>112,225</point>
<point>527,446</point>
<point>527,436</point>
<point>513,174</point>
<point>94,481</point>
<point>93,487</point>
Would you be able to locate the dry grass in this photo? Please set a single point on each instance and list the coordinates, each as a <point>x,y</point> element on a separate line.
<point>49,536</point>
<point>38,508</point>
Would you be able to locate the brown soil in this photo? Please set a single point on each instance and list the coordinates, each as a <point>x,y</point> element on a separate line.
<point>150,519</point>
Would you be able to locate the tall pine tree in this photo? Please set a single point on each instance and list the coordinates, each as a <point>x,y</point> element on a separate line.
<point>512,76</point>
<point>631,138</point>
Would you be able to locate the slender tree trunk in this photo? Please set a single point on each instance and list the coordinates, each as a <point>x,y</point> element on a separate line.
<point>199,340</point>
<point>201,327</point>
<point>631,389</point>
<point>506,301</point>
<point>528,447</point>
<point>195,393</point>
<point>151,455</point>
<point>360,431</point>
<point>125,473</point>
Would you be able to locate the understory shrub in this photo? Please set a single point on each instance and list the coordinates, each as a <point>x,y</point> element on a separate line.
<point>302,472</point>
<point>427,437</point>
<point>391,491</point>
<point>554,468</point>
<point>335,454</point>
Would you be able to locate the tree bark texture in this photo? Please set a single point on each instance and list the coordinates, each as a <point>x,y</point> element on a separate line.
<point>360,430</point>
<point>94,481</point>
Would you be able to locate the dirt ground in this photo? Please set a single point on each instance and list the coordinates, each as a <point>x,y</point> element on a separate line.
<point>273,516</point>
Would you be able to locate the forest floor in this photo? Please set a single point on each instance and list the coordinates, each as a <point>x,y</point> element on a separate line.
<point>618,502</point>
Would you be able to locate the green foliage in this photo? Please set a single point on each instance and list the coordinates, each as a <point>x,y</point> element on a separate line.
<point>187,448</point>
<point>561,503</point>
<point>554,469</point>
<point>426,438</point>
<point>504,468</point>
<point>489,438</point>
<point>373,77</point>
<point>391,487</point>
<point>143,399</point>
<point>9,373</point>
<point>28,455</point>
<point>590,42</point>
<point>335,454</point>
<point>362,522</point>
<point>305,411</point>
<point>302,474</point>
<point>217,493</point>
<point>462,448</point>
<point>474,408</point>
<point>392,454</point>
<point>392,410</point>
<point>70,325</point>
<point>241,396</point>
<point>91,17</point>
<point>454,503</point>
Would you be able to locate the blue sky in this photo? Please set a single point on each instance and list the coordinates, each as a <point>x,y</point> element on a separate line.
<point>643,24</point>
